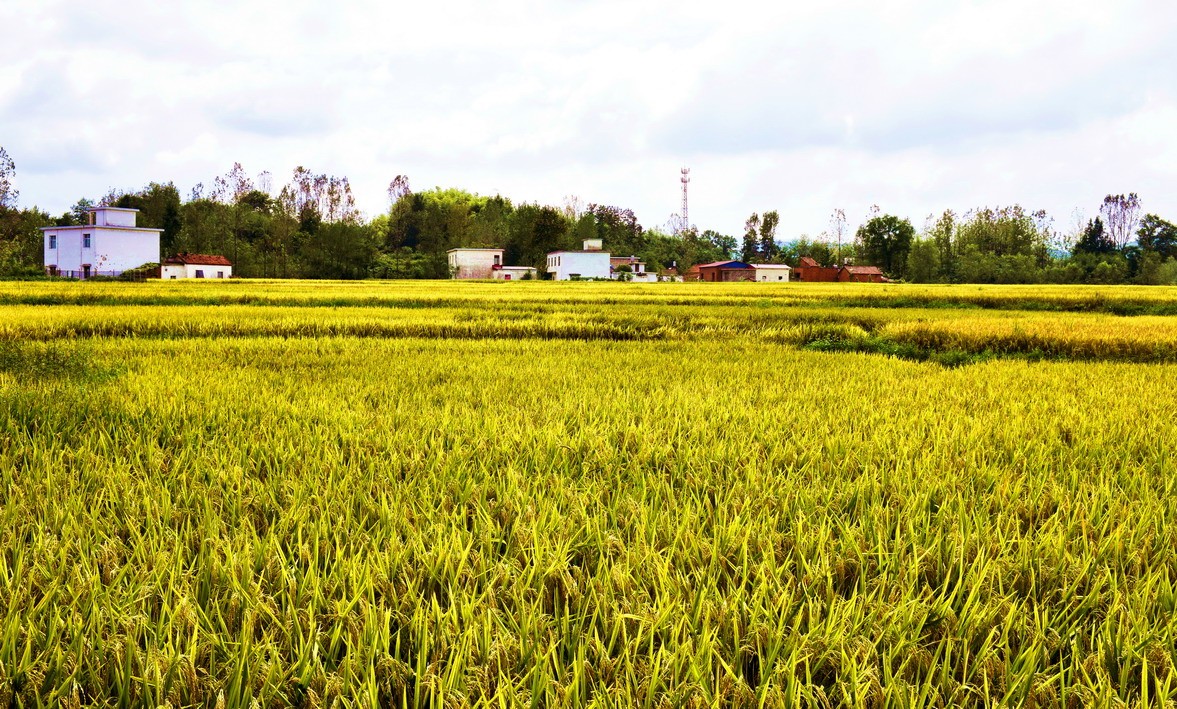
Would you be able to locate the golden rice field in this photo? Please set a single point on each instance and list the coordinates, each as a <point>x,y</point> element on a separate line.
<point>433,494</point>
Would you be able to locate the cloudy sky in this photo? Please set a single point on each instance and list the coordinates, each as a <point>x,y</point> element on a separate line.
<point>917,106</point>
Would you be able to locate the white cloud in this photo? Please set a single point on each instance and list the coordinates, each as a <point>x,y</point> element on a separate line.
<point>914,105</point>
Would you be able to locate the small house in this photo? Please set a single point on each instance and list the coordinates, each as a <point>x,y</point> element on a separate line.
<point>630,268</point>
<point>474,263</point>
<point>591,262</point>
<point>772,272</point>
<point>513,273</point>
<point>725,272</point>
<point>186,265</point>
<point>861,274</point>
<point>809,271</point>
<point>108,245</point>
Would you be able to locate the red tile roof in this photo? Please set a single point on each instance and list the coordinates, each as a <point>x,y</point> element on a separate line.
<point>198,260</point>
<point>864,270</point>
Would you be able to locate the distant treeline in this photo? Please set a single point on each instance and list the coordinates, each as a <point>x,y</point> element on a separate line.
<point>310,228</point>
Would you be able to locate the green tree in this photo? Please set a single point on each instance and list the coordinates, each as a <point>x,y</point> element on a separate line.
<point>923,262</point>
<point>750,252</point>
<point>884,241</point>
<point>1158,236</point>
<point>1094,240</point>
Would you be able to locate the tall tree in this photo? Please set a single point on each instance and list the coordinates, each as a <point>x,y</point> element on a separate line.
<point>1120,214</point>
<point>1094,240</point>
<point>838,229</point>
<point>1158,236</point>
<point>8,192</point>
<point>884,241</point>
<point>751,247</point>
<point>769,250</point>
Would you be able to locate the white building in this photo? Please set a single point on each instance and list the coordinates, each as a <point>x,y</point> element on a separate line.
<point>630,268</point>
<point>592,262</point>
<point>107,246</point>
<point>195,266</point>
<point>513,273</point>
<point>474,263</point>
<point>773,272</point>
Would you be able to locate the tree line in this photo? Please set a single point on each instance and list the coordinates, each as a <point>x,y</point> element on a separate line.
<point>310,228</point>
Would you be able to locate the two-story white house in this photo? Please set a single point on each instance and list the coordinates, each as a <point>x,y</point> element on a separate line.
<point>592,262</point>
<point>474,263</point>
<point>107,246</point>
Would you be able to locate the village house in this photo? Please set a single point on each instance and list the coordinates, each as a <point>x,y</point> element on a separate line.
<point>722,272</point>
<point>512,273</point>
<point>592,262</point>
<point>861,274</point>
<point>474,263</point>
<point>771,272</point>
<point>108,245</point>
<point>622,266</point>
<point>186,265</point>
<point>809,271</point>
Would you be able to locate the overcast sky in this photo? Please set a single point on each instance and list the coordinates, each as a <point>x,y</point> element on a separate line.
<point>917,106</point>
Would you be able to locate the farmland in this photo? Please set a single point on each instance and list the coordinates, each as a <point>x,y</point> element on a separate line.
<point>534,494</point>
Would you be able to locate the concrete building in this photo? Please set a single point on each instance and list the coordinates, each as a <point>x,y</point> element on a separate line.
<point>592,262</point>
<point>187,265</point>
<point>474,263</point>
<point>513,273</point>
<point>771,272</point>
<point>630,268</point>
<point>107,246</point>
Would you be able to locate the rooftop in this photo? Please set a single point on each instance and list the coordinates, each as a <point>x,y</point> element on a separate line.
<point>197,260</point>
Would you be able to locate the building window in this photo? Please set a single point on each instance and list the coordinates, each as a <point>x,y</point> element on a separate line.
<point>498,259</point>
<point>85,241</point>
<point>53,241</point>
<point>199,273</point>
<point>220,274</point>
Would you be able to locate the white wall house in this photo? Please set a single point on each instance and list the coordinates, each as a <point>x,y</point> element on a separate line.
<point>772,272</point>
<point>474,263</point>
<point>107,246</point>
<point>195,266</point>
<point>513,273</point>
<point>590,263</point>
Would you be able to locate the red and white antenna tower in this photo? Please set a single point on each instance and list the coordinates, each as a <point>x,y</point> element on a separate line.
<point>686,178</point>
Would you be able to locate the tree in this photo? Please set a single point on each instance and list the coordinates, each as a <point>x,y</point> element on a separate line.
<point>8,192</point>
<point>1094,240</point>
<point>1120,213</point>
<point>838,229</point>
<point>923,262</point>
<point>1158,236</point>
<point>751,249</point>
<point>884,241</point>
<point>769,250</point>
<point>724,244</point>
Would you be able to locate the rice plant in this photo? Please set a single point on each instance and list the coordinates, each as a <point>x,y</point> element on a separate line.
<point>580,496</point>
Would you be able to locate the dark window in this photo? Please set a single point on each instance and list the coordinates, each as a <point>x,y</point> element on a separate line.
<point>220,274</point>
<point>53,241</point>
<point>85,241</point>
<point>199,273</point>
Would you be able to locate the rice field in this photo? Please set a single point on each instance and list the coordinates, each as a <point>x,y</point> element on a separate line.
<point>611,495</point>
